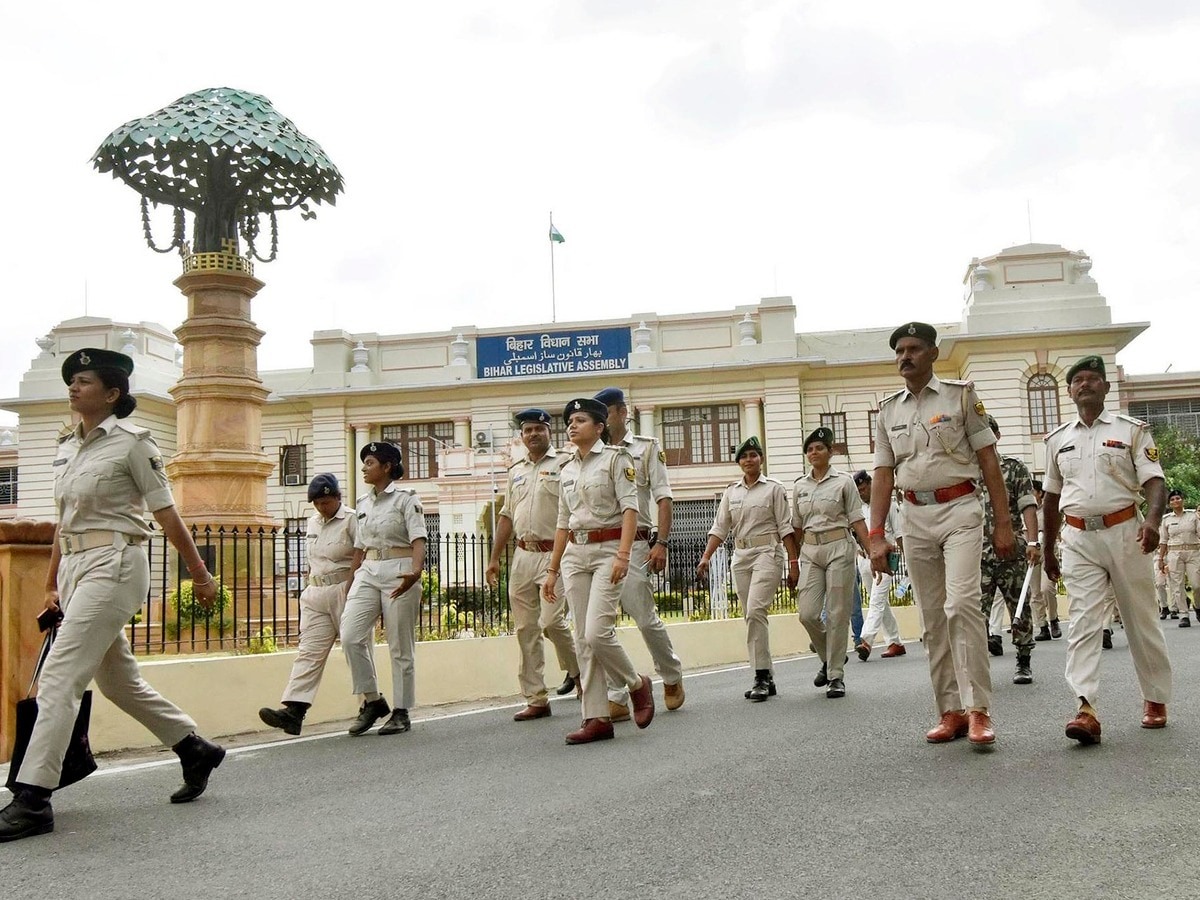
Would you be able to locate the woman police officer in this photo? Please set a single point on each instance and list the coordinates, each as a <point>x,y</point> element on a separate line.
<point>108,472</point>
<point>391,537</point>
<point>597,520</point>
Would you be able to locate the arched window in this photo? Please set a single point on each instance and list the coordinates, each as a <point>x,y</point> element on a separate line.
<point>1043,404</point>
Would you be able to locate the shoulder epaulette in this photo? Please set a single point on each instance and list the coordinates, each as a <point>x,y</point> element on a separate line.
<point>773,480</point>
<point>644,437</point>
<point>958,382</point>
<point>1056,431</point>
<point>890,397</point>
<point>135,430</point>
<point>1137,422</point>
<point>64,434</point>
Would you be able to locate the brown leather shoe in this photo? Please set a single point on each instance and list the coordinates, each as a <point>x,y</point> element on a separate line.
<point>642,698</point>
<point>893,650</point>
<point>979,730</point>
<point>1154,715</point>
<point>618,712</point>
<point>673,695</point>
<point>953,725</point>
<point>592,730</point>
<point>863,649</point>
<point>1084,728</point>
<point>532,712</point>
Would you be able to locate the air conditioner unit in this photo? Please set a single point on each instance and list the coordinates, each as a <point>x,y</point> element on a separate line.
<point>291,480</point>
<point>483,438</point>
<point>293,584</point>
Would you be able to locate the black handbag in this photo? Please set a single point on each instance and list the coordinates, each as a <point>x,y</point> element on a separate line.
<point>78,762</point>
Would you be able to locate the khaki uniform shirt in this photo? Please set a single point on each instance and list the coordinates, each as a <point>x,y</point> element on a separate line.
<point>650,466</point>
<point>1101,469</point>
<point>931,438</point>
<point>533,492</point>
<point>330,543</point>
<point>389,518</point>
<point>754,511</point>
<point>596,488</point>
<point>832,502</point>
<point>108,480</point>
<point>1180,530</point>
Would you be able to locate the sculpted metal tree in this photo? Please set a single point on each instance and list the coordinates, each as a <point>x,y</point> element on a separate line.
<point>228,157</point>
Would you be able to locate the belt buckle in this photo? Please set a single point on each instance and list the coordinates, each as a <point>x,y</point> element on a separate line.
<point>581,537</point>
<point>1093,523</point>
<point>925,498</point>
<point>67,548</point>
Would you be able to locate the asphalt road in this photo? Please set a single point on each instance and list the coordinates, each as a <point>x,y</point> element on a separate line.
<point>723,799</point>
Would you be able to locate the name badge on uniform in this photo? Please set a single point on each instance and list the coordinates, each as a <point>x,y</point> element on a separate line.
<point>899,428</point>
<point>518,479</point>
<point>1065,449</point>
<point>59,462</point>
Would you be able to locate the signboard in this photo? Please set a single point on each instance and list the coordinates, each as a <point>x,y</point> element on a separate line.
<point>552,353</point>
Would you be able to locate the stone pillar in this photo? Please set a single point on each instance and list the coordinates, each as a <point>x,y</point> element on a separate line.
<point>645,421</point>
<point>219,473</point>
<point>24,556</point>
<point>462,431</point>
<point>752,418</point>
<point>361,437</point>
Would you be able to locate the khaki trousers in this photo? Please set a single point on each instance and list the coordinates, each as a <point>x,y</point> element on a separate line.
<point>595,601</point>
<point>533,618</point>
<point>827,582</point>
<point>757,573</point>
<point>369,598</point>
<point>943,544</point>
<point>637,600</point>
<point>99,591</point>
<point>1043,598</point>
<point>1092,561</point>
<point>321,608</point>
<point>1180,563</point>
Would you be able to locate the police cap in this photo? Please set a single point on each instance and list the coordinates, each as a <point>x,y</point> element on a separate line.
<point>323,485</point>
<point>384,451</point>
<point>921,330</point>
<point>533,414</point>
<point>1094,363</point>
<point>1175,492</point>
<point>611,396</point>
<point>592,407</point>
<point>822,435</point>
<point>750,443</point>
<point>862,476</point>
<point>90,358</point>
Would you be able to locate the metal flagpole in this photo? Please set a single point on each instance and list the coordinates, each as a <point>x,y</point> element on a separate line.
<point>553,298</point>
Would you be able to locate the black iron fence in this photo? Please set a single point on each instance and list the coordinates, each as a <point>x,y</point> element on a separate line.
<point>262,571</point>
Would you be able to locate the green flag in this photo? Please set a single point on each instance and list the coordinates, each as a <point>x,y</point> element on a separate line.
<point>555,234</point>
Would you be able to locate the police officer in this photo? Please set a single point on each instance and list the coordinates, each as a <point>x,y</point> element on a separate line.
<point>531,511</point>
<point>933,443</point>
<point>649,554</point>
<point>1008,575</point>
<point>107,473</point>
<point>1179,554</point>
<point>879,610</point>
<point>593,543</point>
<point>1097,468</point>
<point>826,509</point>
<point>391,535</point>
<point>1043,593</point>
<point>332,562</point>
<point>754,512</point>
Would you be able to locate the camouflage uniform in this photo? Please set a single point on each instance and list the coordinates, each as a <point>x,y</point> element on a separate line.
<point>1008,575</point>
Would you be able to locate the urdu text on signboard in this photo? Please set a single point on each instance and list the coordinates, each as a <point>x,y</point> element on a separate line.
<point>552,353</point>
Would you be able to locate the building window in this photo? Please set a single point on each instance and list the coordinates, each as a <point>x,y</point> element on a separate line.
<point>293,465</point>
<point>1043,404</point>
<point>1182,415</point>
<point>418,443</point>
<point>558,431</point>
<point>872,421</point>
<point>693,435</point>
<point>8,485</point>
<point>836,422</point>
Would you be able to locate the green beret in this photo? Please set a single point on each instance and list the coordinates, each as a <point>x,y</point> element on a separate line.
<point>89,359</point>
<point>750,443</point>
<point>1095,363</point>
<point>822,435</point>
<point>925,332</point>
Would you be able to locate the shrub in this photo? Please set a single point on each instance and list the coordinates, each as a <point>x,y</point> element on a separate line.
<point>186,612</point>
<point>263,642</point>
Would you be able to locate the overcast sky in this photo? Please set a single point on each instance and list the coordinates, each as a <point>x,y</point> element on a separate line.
<point>697,155</point>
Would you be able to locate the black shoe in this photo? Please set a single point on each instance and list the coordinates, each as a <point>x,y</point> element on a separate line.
<point>567,686</point>
<point>1174,614</point>
<point>1055,631</point>
<point>290,718</point>
<point>397,724</point>
<point>764,686</point>
<point>837,688</point>
<point>198,757</point>
<point>1024,673</point>
<point>995,645</point>
<point>1106,641</point>
<point>1185,622</point>
<point>822,678</point>
<point>1043,634</point>
<point>369,714</point>
<point>28,815</point>
<point>1163,613</point>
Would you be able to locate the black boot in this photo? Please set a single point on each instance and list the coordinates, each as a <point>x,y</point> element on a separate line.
<point>995,645</point>
<point>567,686</point>
<point>369,714</point>
<point>764,686</point>
<point>1024,673</point>
<point>1163,613</point>
<point>1043,634</point>
<point>1106,640</point>
<point>822,677</point>
<point>198,757</point>
<point>1055,631</point>
<point>1186,621</point>
<point>289,718</point>
<point>837,688</point>
<point>398,723</point>
<point>29,814</point>
<point>1174,614</point>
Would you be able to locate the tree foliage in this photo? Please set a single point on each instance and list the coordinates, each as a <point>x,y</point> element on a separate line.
<point>1179,455</point>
